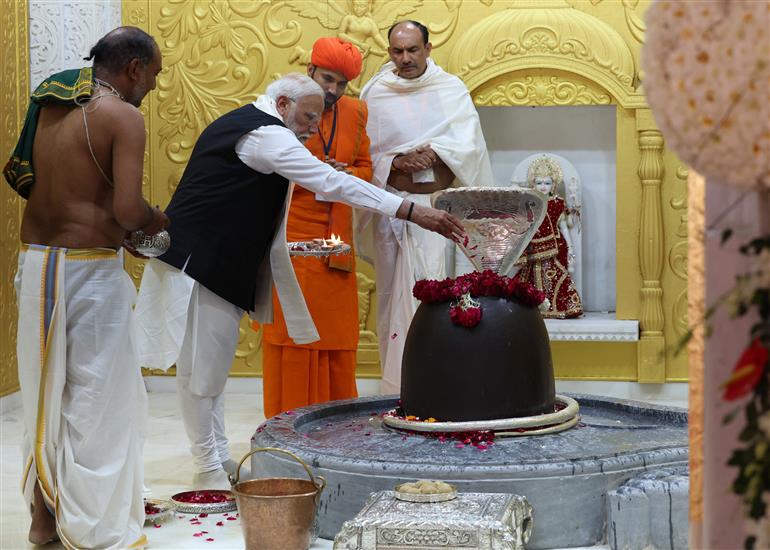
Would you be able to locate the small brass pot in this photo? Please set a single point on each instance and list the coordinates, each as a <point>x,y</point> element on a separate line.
<point>277,513</point>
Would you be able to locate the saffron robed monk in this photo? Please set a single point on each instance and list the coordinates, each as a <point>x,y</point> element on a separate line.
<point>79,165</point>
<point>228,250</point>
<point>295,375</point>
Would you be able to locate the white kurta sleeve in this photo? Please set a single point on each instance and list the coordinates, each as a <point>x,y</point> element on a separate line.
<point>275,149</point>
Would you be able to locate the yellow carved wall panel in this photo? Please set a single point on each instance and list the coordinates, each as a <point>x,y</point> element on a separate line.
<point>221,54</point>
<point>14,91</point>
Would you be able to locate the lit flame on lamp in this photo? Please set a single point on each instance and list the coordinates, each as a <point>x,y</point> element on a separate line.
<point>334,240</point>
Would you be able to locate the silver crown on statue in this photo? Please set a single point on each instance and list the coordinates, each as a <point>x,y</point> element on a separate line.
<point>151,245</point>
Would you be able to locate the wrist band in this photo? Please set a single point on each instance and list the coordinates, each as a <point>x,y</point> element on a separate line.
<point>409,215</point>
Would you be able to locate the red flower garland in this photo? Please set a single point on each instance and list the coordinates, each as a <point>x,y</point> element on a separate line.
<point>465,311</point>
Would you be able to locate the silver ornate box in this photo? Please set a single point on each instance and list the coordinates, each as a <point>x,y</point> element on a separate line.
<point>487,521</point>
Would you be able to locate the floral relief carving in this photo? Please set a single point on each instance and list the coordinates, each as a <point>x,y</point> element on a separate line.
<point>366,287</point>
<point>361,22</point>
<point>636,25</point>
<point>62,33</point>
<point>248,351</point>
<point>282,34</point>
<point>679,203</point>
<point>215,61</point>
<point>677,257</point>
<point>542,90</point>
<point>524,36</point>
<point>545,41</point>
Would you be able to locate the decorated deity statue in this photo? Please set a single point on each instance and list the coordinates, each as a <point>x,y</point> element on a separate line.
<point>547,261</point>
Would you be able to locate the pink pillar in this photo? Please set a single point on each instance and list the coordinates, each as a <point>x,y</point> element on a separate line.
<point>723,524</point>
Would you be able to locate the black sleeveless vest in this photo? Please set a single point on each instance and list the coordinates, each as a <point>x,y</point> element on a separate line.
<point>224,214</point>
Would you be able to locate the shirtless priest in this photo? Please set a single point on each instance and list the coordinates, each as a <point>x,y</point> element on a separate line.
<point>79,164</point>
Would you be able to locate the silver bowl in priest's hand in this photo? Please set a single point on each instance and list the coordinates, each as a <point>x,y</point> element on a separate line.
<point>151,245</point>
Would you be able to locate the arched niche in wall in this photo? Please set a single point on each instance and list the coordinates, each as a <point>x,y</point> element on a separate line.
<point>550,54</point>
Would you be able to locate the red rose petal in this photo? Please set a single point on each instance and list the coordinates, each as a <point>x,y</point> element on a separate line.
<point>220,523</point>
<point>209,540</point>
<point>156,526</point>
<point>203,515</point>
<point>231,518</point>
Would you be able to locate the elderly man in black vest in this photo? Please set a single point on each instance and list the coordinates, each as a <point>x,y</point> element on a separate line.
<point>228,248</point>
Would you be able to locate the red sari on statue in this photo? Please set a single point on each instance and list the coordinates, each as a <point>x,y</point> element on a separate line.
<point>298,375</point>
<point>543,265</point>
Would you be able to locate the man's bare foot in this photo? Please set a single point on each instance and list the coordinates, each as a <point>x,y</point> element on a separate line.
<point>43,528</point>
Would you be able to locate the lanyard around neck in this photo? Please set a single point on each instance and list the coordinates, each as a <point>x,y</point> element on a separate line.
<point>328,145</point>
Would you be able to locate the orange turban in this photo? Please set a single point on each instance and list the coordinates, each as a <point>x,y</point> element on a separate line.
<point>337,55</point>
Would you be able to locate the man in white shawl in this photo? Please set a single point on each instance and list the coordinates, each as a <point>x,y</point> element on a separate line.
<point>84,402</point>
<point>426,136</point>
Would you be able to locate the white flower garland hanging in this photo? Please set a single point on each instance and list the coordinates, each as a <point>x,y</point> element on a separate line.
<point>707,80</point>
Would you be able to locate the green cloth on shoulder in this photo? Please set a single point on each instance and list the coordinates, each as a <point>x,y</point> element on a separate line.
<point>62,88</point>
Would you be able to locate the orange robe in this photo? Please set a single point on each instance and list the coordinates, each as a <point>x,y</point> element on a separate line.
<point>298,375</point>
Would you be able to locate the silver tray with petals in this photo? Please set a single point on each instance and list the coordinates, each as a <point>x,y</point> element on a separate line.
<point>309,248</point>
<point>183,502</point>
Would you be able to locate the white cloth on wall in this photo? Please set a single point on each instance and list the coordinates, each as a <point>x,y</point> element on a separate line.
<point>82,393</point>
<point>434,109</point>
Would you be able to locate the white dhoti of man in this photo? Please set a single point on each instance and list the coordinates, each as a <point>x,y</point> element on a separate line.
<point>434,109</point>
<point>82,391</point>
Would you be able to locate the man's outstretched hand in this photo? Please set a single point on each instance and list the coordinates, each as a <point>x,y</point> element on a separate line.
<point>432,219</point>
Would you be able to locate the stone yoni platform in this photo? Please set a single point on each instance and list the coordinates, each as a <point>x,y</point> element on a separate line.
<point>565,476</point>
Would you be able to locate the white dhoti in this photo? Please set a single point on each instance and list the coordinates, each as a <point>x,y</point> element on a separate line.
<point>82,392</point>
<point>182,322</point>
